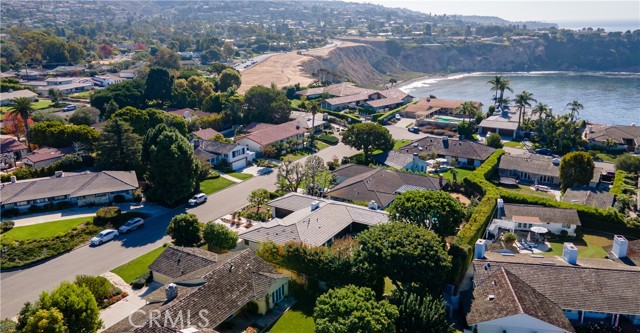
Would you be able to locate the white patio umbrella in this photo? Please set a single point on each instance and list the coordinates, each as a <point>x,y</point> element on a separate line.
<point>539,230</point>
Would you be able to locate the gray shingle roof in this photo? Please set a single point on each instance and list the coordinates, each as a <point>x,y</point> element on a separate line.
<point>576,287</point>
<point>545,214</point>
<point>530,163</point>
<point>503,294</point>
<point>589,197</point>
<point>75,185</point>
<point>395,159</point>
<point>217,147</point>
<point>176,261</point>
<point>312,227</point>
<point>455,148</point>
<point>378,184</point>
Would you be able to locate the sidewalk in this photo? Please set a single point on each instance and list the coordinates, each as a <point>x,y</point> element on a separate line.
<point>115,313</point>
<point>233,179</point>
<point>76,212</point>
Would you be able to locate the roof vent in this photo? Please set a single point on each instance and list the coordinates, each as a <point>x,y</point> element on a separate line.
<point>491,297</point>
<point>171,291</point>
<point>570,253</point>
<point>315,205</point>
<point>230,268</point>
<point>620,246</point>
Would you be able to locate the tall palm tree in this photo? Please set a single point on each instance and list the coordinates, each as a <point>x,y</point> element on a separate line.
<point>541,110</point>
<point>495,83</point>
<point>22,107</point>
<point>523,100</point>
<point>504,85</point>
<point>575,108</point>
<point>314,108</point>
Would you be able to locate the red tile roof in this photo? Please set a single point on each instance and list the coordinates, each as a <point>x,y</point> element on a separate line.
<point>270,134</point>
<point>206,133</point>
<point>10,145</point>
<point>47,153</point>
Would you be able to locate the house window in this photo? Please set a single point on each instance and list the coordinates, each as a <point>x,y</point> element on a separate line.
<point>22,203</point>
<point>60,197</point>
<point>246,242</point>
<point>566,226</point>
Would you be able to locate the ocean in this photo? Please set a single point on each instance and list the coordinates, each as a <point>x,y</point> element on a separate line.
<point>608,98</point>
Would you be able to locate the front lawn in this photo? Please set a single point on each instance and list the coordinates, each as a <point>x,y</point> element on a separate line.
<point>299,318</point>
<point>608,156</point>
<point>138,266</point>
<point>295,103</point>
<point>397,144</point>
<point>240,175</point>
<point>321,145</point>
<point>513,144</point>
<point>296,155</point>
<point>589,246</point>
<point>45,230</point>
<point>82,95</point>
<point>461,174</point>
<point>214,185</point>
<point>526,190</point>
<point>36,106</point>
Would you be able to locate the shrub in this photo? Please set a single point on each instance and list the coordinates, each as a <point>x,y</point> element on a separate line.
<point>494,140</point>
<point>106,214</point>
<point>328,139</point>
<point>99,286</point>
<point>618,183</point>
<point>6,225</point>
<point>510,237</point>
<point>628,163</point>
<point>138,283</point>
<point>137,196</point>
<point>344,116</point>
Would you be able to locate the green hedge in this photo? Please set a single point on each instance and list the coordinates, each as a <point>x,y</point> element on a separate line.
<point>328,139</point>
<point>618,183</point>
<point>344,116</point>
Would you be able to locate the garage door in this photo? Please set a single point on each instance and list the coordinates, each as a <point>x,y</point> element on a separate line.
<point>239,164</point>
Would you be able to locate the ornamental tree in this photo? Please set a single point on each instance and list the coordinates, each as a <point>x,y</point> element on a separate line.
<point>219,238</point>
<point>411,256</point>
<point>417,313</point>
<point>353,309</point>
<point>184,229</point>
<point>368,137</point>
<point>576,169</point>
<point>423,207</point>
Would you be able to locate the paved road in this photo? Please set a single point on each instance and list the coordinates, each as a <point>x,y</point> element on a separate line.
<point>25,285</point>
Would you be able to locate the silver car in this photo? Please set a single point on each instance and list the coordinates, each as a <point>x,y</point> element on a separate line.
<point>104,236</point>
<point>131,225</point>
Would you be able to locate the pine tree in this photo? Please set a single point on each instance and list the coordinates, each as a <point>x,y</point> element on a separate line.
<point>118,148</point>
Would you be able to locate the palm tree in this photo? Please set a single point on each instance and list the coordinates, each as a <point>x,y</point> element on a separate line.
<point>523,100</point>
<point>22,107</point>
<point>495,86</point>
<point>467,109</point>
<point>541,110</point>
<point>504,85</point>
<point>314,108</point>
<point>575,108</point>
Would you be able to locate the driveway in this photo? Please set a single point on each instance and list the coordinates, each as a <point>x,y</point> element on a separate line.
<point>17,287</point>
<point>400,133</point>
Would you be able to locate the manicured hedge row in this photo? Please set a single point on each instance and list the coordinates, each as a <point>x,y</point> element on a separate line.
<point>618,183</point>
<point>328,139</point>
<point>344,116</point>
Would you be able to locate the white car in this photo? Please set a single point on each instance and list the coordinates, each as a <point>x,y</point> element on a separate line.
<point>131,225</point>
<point>69,108</point>
<point>104,236</point>
<point>198,199</point>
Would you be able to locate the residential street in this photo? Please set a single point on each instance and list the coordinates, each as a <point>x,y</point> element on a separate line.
<point>25,285</point>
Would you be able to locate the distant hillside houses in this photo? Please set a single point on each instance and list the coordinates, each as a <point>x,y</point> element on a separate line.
<point>346,95</point>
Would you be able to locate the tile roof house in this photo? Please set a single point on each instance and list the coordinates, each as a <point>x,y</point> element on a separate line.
<point>216,288</point>
<point>376,100</point>
<point>504,123</point>
<point>205,134</point>
<point>367,184</point>
<point>535,168</point>
<point>466,153</point>
<point>426,107</point>
<point>623,137</point>
<point>187,113</point>
<point>503,301</point>
<point>524,217</point>
<point>78,189</point>
<point>262,135</point>
<point>6,98</point>
<point>601,290</point>
<point>589,197</point>
<point>236,156</point>
<point>12,150</point>
<point>334,90</point>
<point>306,120</point>
<point>313,221</point>
<point>45,156</point>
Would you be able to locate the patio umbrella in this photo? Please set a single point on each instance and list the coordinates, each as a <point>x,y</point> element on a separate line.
<point>539,230</point>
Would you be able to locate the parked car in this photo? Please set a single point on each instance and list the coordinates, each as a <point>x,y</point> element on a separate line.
<point>414,129</point>
<point>104,236</point>
<point>398,116</point>
<point>131,225</point>
<point>544,151</point>
<point>265,171</point>
<point>198,199</point>
<point>69,108</point>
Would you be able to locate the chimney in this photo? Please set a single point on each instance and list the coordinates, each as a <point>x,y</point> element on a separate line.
<point>315,205</point>
<point>570,253</point>
<point>500,210</point>
<point>620,246</point>
<point>481,247</point>
<point>59,174</point>
<point>171,291</point>
<point>373,205</point>
<point>14,179</point>
<point>445,142</point>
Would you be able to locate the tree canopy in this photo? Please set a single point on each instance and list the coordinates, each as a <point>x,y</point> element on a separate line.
<point>421,207</point>
<point>85,116</point>
<point>127,93</point>
<point>423,314</point>
<point>266,105</point>
<point>368,137</point>
<point>411,256</point>
<point>118,148</point>
<point>628,163</point>
<point>166,58</point>
<point>158,86</point>
<point>576,169</point>
<point>184,229</point>
<point>353,309</point>
<point>58,135</point>
<point>228,78</point>
<point>219,238</point>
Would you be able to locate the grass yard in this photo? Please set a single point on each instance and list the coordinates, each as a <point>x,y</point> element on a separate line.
<point>299,318</point>
<point>513,144</point>
<point>138,266</point>
<point>321,145</point>
<point>82,95</point>
<point>608,157</point>
<point>214,185</point>
<point>296,155</point>
<point>36,106</point>
<point>397,144</point>
<point>589,246</point>
<point>295,103</point>
<point>461,174</point>
<point>526,190</point>
<point>240,175</point>
<point>45,230</point>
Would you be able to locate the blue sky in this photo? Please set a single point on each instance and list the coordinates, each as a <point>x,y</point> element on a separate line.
<point>521,10</point>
